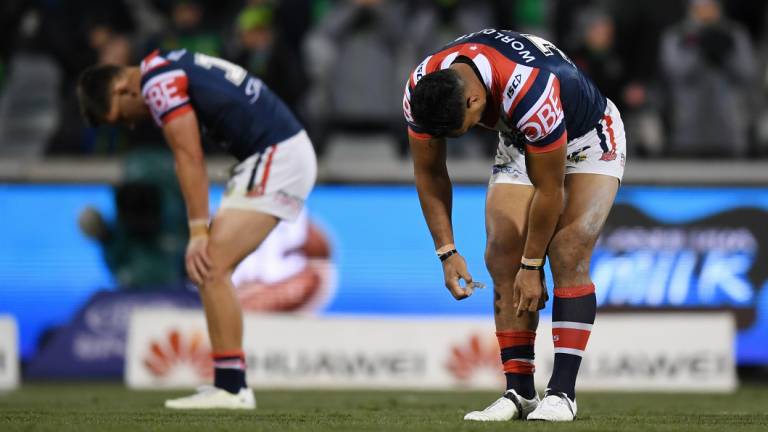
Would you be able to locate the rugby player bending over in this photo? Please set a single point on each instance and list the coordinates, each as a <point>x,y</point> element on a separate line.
<point>559,163</point>
<point>183,91</point>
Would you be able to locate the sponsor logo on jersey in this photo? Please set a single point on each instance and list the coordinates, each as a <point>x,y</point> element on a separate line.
<point>420,70</point>
<point>515,84</point>
<point>512,41</point>
<point>165,92</point>
<point>545,115</point>
<point>522,76</point>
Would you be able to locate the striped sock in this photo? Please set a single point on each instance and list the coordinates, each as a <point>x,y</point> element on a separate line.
<point>573,314</point>
<point>517,358</point>
<point>229,371</point>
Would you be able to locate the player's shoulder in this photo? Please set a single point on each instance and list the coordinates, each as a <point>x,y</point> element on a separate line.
<point>159,61</point>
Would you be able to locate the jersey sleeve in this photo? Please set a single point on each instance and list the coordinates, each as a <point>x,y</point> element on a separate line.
<point>413,129</point>
<point>422,69</point>
<point>165,90</point>
<point>540,115</point>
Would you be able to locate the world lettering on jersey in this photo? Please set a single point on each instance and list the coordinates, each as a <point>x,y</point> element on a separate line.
<point>534,89</point>
<point>233,107</point>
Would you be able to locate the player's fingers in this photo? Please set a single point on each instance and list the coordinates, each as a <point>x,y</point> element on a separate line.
<point>202,268</point>
<point>455,288</point>
<point>533,305</point>
<point>192,271</point>
<point>464,274</point>
<point>521,307</point>
<point>205,258</point>
<point>515,296</point>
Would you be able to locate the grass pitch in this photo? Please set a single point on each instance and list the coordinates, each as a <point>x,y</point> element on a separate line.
<point>110,407</point>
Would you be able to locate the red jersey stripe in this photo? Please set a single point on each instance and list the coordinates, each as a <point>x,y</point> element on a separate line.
<point>176,113</point>
<point>267,166</point>
<point>419,135</point>
<point>549,147</point>
<point>611,135</point>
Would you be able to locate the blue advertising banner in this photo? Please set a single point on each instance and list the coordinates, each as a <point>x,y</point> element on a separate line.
<point>93,343</point>
<point>663,248</point>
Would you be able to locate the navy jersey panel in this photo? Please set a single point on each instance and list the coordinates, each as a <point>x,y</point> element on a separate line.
<point>233,107</point>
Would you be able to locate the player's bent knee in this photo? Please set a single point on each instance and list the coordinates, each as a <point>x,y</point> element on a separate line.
<point>217,277</point>
<point>569,256</point>
<point>501,258</point>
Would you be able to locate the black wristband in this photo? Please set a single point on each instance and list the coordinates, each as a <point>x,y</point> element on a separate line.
<point>531,267</point>
<point>445,255</point>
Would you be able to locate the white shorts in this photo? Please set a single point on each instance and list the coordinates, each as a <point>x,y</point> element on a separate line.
<point>276,181</point>
<point>602,150</point>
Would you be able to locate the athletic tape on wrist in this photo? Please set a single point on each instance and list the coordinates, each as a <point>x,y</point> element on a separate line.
<point>445,248</point>
<point>533,261</point>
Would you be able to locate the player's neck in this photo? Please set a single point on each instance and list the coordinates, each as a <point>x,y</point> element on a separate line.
<point>472,83</point>
<point>133,74</point>
<point>468,75</point>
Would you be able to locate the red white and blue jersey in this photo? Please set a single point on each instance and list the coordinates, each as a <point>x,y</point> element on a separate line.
<point>533,87</point>
<point>233,107</point>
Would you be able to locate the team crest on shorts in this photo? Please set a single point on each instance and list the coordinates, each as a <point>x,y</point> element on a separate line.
<point>578,155</point>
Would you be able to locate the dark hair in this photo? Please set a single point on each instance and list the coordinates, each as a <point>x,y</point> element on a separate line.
<point>94,90</point>
<point>437,102</point>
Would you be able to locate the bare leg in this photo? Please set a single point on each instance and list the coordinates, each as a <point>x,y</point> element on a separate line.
<point>589,198</point>
<point>234,235</point>
<point>505,220</point>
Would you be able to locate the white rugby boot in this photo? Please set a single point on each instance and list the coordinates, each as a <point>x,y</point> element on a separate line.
<point>555,407</point>
<point>210,397</point>
<point>509,406</point>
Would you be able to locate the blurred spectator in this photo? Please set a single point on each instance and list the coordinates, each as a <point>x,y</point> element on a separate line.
<point>77,38</point>
<point>761,124</point>
<point>352,59</point>
<point>188,30</point>
<point>261,50</point>
<point>597,55</point>
<point>710,67</point>
<point>435,23</point>
<point>11,12</point>
<point>530,16</point>
<point>144,247</point>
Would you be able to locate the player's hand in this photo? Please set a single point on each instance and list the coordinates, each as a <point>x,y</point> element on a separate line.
<point>455,269</point>
<point>529,293</point>
<point>197,261</point>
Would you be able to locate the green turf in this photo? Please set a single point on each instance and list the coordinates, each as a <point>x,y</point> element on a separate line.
<point>110,407</point>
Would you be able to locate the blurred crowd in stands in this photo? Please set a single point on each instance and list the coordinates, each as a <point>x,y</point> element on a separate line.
<point>690,76</point>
